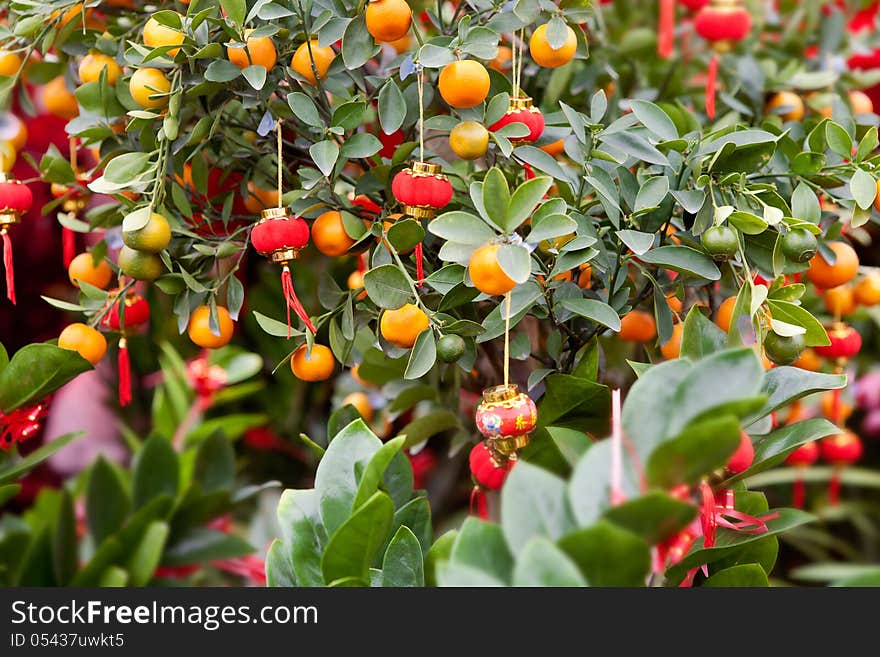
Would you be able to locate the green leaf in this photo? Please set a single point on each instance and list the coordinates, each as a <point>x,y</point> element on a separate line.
<point>255,75</point>
<point>700,336</point>
<point>392,107</point>
<point>200,544</point>
<point>236,10</point>
<point>541,563</point>
<point>214,466</point>
<point>279,569</point>
<point>336,479</point>
<point>654,516</point>
<point>839,140</point>
<point>700,449</point>
<point>353,548</point>
<point>533,503</point>
<point>651,193</point>
<point>35,371</point>
<point>684,260</point>
<point>461,227</point>
<point>9,472</point>
<point>596,311</point>
<point>791,313</point>
<point>439,552</point>
<point>480,545</point>
<point>357,43</point>
<point>375,468</point>
<point>423,355</point>
<point>221,70</point>
<point>324,154</point>
<point>402,564</point>
<point>550,226</point>
<point>156,471</point>
<point>654,119</point>
<point>458,575</point>
<point>387,287</point>
<point>361,145</point>
<point>145,557</point>
<point>785,384</point>
<point>524,200</point>
<point>863,188</point>
<point>515,261</point>
<point>608,555</point>
<point>304,536</point>
<point>638,242</point>
<point>65,551</point>
<point>747,574</point>
<point>496,197</point>
<point>634,145</point>
<point>304,109</point>
<point>429,425</point>
<point>747,222</point>
<point>805,204</point>
<point>107,501</point>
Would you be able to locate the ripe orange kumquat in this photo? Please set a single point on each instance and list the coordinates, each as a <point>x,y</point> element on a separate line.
<point>825,276</point>
<point>86,341</point>
<point>83,269</point>
<point>302,61</point>
<point>546,55</point>
<point>316,365</point>
<point>402,326</point>
<point>486,272</point>
<point>329,236</point>
<point>199,329</point>
<point>672,348</point>
<point>464,83</point>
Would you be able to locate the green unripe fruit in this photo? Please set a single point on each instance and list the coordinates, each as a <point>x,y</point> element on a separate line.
<point>799,245</point>
<point>450,348</point>
<point>720,242</point>
<point>783,350</point>
<point>139,265</point>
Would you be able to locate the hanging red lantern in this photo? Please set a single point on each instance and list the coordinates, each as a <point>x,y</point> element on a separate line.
<point>134,312</point>
<point>693,5</point>
<point>802,458</point>
<point>840,450</point>
<point>280,237</point>
<point>75,201</point>
<point>506,417</point>
<point>845,343</point>
<point>521,110</point>
<point>722,23</point>
<point>422,189</point>
<point>15,199</point>
<point>488,472</point>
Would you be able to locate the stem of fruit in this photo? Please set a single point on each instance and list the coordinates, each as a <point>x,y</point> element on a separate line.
<point>506,338</point>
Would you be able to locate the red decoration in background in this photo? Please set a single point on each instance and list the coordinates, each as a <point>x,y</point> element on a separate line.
<point>840,450</point>
<point>722,23</point>
<point>666,28</point>
<point>21,424</point>
<point>488,473</point>
<point>802,458</point>
<point>280,238</point>
<point>845,343</point>
<point>715,513</point>
<point>522,111</point>
<point>135,312</point>
<point>15,199</point>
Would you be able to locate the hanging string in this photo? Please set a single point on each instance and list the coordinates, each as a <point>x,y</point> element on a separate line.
<point>278,136</point>
<point>513,72</point>
<point>420,81</point>
<point>506,338</point>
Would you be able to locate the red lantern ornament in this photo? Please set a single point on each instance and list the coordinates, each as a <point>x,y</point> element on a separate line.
<point>488,472</point>
<point>845,343</point>
<point>840,450</point>
<point>802,458</point>
<point>15,199</point>
<point>722,23</point>
<point>75,201</point>
<point>693,5</point>
<point>134,312</point>
<point>422,189</point>
<point>521,110</point>
<point>280,237</point>
<point>506,417</point>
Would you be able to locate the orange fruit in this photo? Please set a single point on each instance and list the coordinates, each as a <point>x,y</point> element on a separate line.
<point>637,326</point>
<point>585,278</point>
<point>808,360</point>
<point>787,104</point>
<point>388,20</point>
<point>59,100</point>
<point>361,403</point>
<point>8,156</point>
<point>86,341</point>
<point>315,366</point>
<point>199,329</point>
<point>10,63</point>
<point>464,83</point>
<point>83,268</point>
<point>877,198</point>
<point>302,61</point>
<point>672,348</point>
<point>860,102</point>
<point>545,55</point>
<point>469,140</point>
<point>139,265</point>
<point>402,44</point>
<point>259,199</point>
<point>867,290</point>
<point>554,148</point>
<point>149,88</point>
<point>259,51</point>
<point>826,276</point>
<point>840,300</point>
<point>673,302</point>
<point>844,409</point>
<point>724,315</point>
<point>157,35</point>
<point>503,61</point>
<point>486,273</point>
<point>152,237</point>
<point>356,282</point>
<point>329,236</point>
<point>356,376</point>
<point>13,130</point>
<point>401,327</point>
<point>91,65</point>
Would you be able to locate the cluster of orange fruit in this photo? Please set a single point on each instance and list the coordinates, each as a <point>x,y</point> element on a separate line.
<point>790,106</point>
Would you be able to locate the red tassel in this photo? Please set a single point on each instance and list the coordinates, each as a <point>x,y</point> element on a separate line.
<point>68,245</point>
<point>293,302</point>
<point>666,28</point>
<point>798,493</point>
<point>529,171</point>
<point>711,82</point>
<point>124,365</point>
<point>834,488</point>
<point>420,267</point>
<point>707,515</point>
<point>7,263</point>
<point>835,406</point>
<point>362,263</point>
<point>479,506</point>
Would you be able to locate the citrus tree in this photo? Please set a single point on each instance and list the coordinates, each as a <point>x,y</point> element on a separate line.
<point>407,205</point>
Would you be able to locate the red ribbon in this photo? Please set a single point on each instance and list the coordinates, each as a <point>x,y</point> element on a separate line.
<point>798,493</point>
<point>714,515</point>
<point>420,267</point>
<point>834,488</point>
<point>293,302</point>
<point>479,505</point>
<point>666,28</point>
<point>124,366</point>
<point>711,82</point>
<point>21,424</point>
<point>68,245</point>
<point>7,263</point>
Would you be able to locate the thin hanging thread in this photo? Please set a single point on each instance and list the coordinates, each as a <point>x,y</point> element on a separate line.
<point>278,134</point>
<point>420,81</point>
<point>506,338</point>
